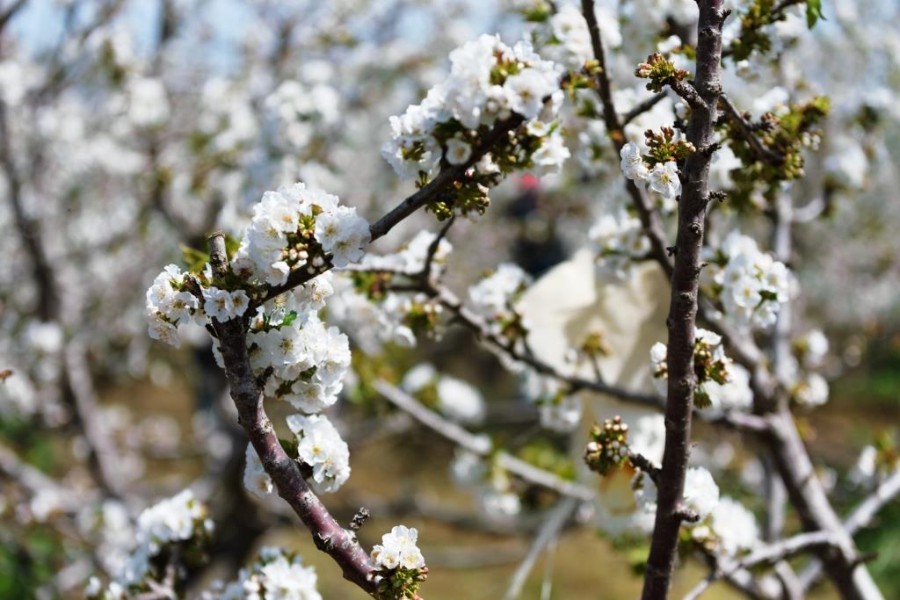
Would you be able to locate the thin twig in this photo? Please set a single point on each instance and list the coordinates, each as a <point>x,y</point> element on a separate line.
<point>550,530</point>
<point>861,517</point>
<point>746,128</point>
<point>642,107</point>
<point>769,554</point>
<point>650,219</point>
<point>479,445</point>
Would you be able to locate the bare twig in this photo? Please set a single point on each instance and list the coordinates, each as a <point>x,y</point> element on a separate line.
<point>769,554</point>
<point>642,107</point>
<point>861,517</point>
<point>479,445</point>
<point>550,530</point>
<point>747,131</point>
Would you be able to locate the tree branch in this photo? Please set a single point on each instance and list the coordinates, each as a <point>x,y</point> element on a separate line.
<point>548,532</point>
<point>683,309</point>
<point>480,446</point>
<point>769,554</point>
<point>650,219</point>
<point>429,193</point>
<point>861,517</point>
<point>327,533</point>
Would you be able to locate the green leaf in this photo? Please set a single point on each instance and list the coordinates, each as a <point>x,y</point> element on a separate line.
<point>289,318</point>
<point>813,12</point>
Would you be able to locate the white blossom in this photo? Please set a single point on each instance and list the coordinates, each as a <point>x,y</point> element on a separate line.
<point>734,526</point>
<point>321,447</point>
<point>701,494</point>
<point>256,480</point>
<point>398,549</point>
<point>664,179</point>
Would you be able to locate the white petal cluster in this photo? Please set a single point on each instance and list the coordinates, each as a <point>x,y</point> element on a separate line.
<point>175,519</point>
<point>148,105</point>
<point>570,31</point>
<point>617,240</point>
<point>224,305</point>
<point>753,284</point>
<point>561,414</point>
<point>411,257</point>
<point>398,549</point>
<point>296,111</point>
<point>305,359</point>
<point>735,394</point>
<point>256,480</point>
<point>180,520</point>
<point>493,296</point>
<point>456,399</point>
<point>285,227</point>
<point>701,494</point>
<point>168,306</point>
<point>488,81</point>
<point>811,390</point>
<point>734,526</point>
<point>276,575</point>
<point>371,324</point>
<point>662,178</point>
<point>321,447</point>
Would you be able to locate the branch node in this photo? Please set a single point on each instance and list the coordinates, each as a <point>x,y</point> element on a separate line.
<point>362,515</point>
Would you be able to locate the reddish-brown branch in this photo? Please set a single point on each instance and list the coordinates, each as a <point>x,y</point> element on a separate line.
<point>327,533</point>
<point>683,309</point>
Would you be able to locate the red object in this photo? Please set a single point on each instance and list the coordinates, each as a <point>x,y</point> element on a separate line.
<point>529,182</point>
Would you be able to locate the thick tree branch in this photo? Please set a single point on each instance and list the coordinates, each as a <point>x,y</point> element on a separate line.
<point>285,472</point>
<point>683,309</point>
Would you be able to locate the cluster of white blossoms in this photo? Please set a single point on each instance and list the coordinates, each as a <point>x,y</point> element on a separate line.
<point>175,519</point>
<point>295,111</point>
<point>661,177</point>
<point>169,305</point>
<point>731,528</point>
<point>398,550</point>
<point>375,317</point>
<point>722,385</point>
<point>305,360</point>
<point>617,240</point>
<point>752,285</point>
<point>411,258</point>
<point>488,82</point>
<point>453,397</point>
<point>180,520</point>
<point>628,499</point>
<point>276,575</point>
<point>494,296</point>
<point>321,447</point>
<point>291,229</point>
